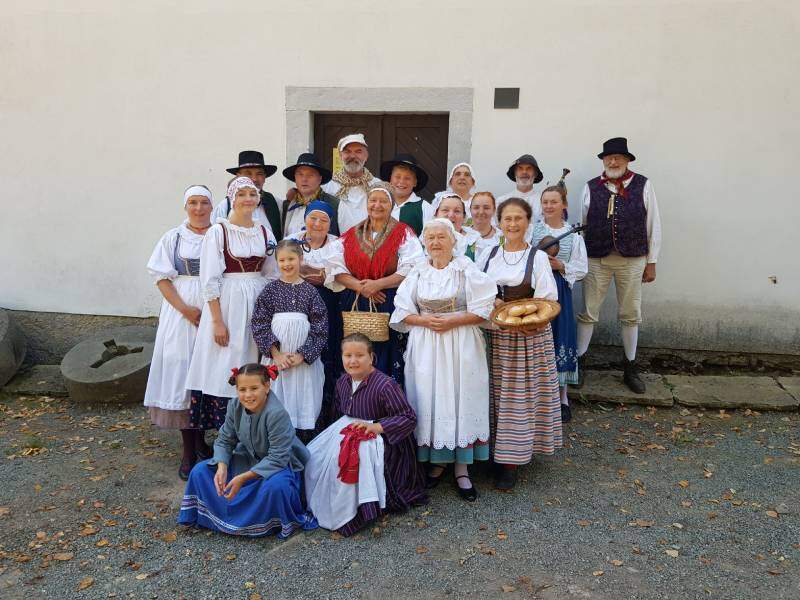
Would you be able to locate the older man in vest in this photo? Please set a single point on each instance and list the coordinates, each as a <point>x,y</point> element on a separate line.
<point>623,240</point>
<point>351,182</point>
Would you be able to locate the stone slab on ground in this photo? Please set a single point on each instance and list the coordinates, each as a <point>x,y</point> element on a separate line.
<point>13,347</point>
<point>39,380</point>
<point>791,385</point>
<point>607,386</point>
<point>757,393</point>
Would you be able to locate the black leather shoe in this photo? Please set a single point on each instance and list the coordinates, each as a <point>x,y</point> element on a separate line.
<point>506,480</point>
<point>566,413</point>
<point>581,371</point>
<point>631,377</point>
<point>431,481</point>
<point>470,494</point>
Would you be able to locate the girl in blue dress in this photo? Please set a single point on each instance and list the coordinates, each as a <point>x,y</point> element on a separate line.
<point>251,486</point>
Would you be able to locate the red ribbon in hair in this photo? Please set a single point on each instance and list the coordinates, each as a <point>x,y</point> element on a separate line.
<point>272,372</point>
<point>235,372</point>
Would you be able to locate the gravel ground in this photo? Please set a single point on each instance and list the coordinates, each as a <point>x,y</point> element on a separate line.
<point>641,504</point>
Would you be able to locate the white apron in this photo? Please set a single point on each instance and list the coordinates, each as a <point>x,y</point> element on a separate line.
<point>333,502</point>
<point>300,388</point>
<point>211,363</point>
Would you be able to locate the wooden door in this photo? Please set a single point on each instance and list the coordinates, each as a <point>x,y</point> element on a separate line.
<point>423,135</point>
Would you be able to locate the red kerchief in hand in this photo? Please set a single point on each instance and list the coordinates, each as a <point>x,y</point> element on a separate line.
<point>348,452</point>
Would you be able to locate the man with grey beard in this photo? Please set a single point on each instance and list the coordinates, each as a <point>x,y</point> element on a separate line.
<point>525,172</point>
<point>350,184</point>
<point>623,241</point>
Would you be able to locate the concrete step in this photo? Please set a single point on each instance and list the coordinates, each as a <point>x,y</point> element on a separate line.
<point>711,391</point>
<point>40,380</point>
<point>607,386</point>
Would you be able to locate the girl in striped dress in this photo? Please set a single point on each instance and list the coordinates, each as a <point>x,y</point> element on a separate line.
<point>524,384</point>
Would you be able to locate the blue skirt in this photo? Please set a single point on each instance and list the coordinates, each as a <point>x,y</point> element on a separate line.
<point>565,335</point>
<point>262,506</point>
<point>389,354</point>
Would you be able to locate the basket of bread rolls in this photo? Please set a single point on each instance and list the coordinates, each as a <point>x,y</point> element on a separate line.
<point>527,314</point>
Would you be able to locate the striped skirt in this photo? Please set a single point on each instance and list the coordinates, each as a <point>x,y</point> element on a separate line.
<point>524,408</point>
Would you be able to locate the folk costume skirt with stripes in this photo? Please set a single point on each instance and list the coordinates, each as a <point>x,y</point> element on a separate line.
<point>525,408</point>
<point>262,506</point>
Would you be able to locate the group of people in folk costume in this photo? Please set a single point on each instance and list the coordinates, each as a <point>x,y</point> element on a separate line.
<point>320,429</point>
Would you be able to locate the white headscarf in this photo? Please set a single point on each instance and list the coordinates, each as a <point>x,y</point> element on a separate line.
<point>238,184</point>
<point>197,190</point>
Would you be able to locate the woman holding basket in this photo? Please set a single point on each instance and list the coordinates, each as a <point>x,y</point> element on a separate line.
<point>525,413</point>
<point>370,260</point>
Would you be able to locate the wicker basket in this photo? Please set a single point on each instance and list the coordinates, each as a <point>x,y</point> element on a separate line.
<point>549,309</point>
<point>373,324</point>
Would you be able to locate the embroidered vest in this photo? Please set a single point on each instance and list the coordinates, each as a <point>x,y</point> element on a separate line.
<point>250,264</point>
<point>626,229</point>
<point>184,266</point>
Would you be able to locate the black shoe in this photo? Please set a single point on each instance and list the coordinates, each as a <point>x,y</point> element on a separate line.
<point>184,470</point>
<point>566,413</point>
<point>581,371</point>
<point>431,481</point>
<point>506,480</point>
<point>470,494</point>
<point>631,377</point>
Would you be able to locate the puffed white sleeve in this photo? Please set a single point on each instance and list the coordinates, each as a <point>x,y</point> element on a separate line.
<point>404,303</point>
<point>160,265</point>
<point>577,266</point>
<point>586,197</point>
<point>545,283</point>
<point>212,263</point>
<point>653,223</point>
<point>330,278</point>
<point>409,254</point>
<point>334,261</point>
<point>270,267</point>
<point>481,291</point>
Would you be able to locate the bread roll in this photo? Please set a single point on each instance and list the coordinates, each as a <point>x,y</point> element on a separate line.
<point>516,311</point>
<point>514,320</point>
<point>531,319</point>
<point>531,307</point>
<point>501,315</point>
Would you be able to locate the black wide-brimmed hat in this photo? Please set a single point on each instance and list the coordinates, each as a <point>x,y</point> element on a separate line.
<point>252,158</point>
<point>525,159</point>
<point>405,160</point>
<point>307,159</point>
<point>616,146</point>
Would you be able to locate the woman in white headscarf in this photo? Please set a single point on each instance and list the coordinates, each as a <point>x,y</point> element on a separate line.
<point>452,208</point>
<point>236,263</point>
<point>461,182</point>
<point>175,268</point>
<point>441,303</point>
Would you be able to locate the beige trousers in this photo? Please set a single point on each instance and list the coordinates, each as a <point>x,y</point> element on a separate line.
<point>627,276</point>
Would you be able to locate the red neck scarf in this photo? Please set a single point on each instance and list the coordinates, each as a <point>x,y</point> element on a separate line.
<point>368,259</point>
<point>619,182</point>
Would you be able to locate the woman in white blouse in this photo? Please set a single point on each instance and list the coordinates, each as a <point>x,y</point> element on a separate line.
<point>236,263</point>
<point>452,208</point>
<point>523,379</point>
<point>482,211</point>
<point>441,303</point>
<point>371,259</point>
<point>175,268</point>
<point>569,265</point>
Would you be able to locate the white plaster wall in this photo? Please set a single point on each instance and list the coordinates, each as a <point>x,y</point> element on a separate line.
<point>109,109</point>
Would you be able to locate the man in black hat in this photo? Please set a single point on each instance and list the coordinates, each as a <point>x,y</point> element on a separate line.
<point>251,164</point>
<point>623,240</point>
<point>407,178</point>
<point>308,176</point>
<point>525,172</point>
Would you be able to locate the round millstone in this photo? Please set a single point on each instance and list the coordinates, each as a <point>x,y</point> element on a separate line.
<point>13,347</point>
<point>110,366</point>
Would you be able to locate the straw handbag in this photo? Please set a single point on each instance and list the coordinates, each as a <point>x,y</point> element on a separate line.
<point>373,324</point>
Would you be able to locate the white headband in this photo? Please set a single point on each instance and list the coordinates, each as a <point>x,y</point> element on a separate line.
<point>380,188</point>
<point>461,164</point>
<point>197,190</point>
